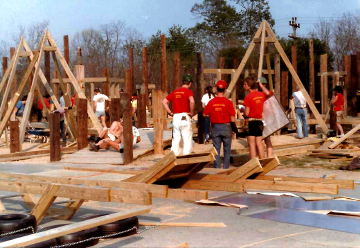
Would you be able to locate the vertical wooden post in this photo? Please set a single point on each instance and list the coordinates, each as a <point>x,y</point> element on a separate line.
<point>164,83</point>
<point>128,134</point>
<point>268,65</point>
<point>222,66</point>
<point>92,88</point>
<point>324,85</point>
<point>353,87</point>
<point>82,123</point>
<point>158,127</point>
<point>200,92</point>
<point>56,86</point>
<point>106,84</point>
<point>358,83</point>
<point>80,75</point>
<point>177,71</point>
<point>294,64</point>
<point>14,82</point>
<point>284,89</point>
<point>311,71</point>
<point>145,76</point>
<point>131,66</point>
<point>4,67</point>
<point>55,152</point>
<point>347,68</point>
<point>141,110</point>
<point>277,72</point>
<point>128,85</point>
<point>67,59</point>
<point>14,137</point>
<point>238,85</point>
<point>114,109</point>
<point>47,65</point>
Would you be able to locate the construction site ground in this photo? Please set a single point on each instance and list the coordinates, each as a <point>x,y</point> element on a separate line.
<point>240,231</point>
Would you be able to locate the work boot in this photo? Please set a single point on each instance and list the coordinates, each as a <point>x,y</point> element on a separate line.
<point>355,164</point>
<point>94,147</point>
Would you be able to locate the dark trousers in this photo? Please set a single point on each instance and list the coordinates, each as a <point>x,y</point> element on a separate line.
<point>62,130</point>
<point>222,133</point>
<point>207,128</point>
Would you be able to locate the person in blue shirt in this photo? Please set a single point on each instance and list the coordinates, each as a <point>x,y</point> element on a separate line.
<point>19,108</point>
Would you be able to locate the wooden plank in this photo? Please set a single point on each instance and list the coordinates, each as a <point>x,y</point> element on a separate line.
<point>188,224</point>
<point>230,71</point>
<point>284,89</point>
<point>45,202</point>
<point>158,110</point>
<point>24,54</point>
<point>38,152</point>
<point>131,196</point>
<point>159,191</point>
<point>211,185</point>
<point>347,135</point>
<point>158,169</point>
<point>82,123</point>
<point>262,48</point>
<point>266,39</point>
<point>298,81</point>
<point>78,90</point>
<point>236,76</point>
<point>242,171</point>
<point>50,48</point>
<point>182,194</point>
<point>12,71</point>
<point>72,228</point>
<point>268,165</point>
<point>71,208</point>
<point>14,137</point>
<point>268,65</point>
<point>127,123</point>
<point>342,184</point>
<point>311,70</point>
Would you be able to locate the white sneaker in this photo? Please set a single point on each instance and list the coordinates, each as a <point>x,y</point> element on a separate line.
<point>340,136</point>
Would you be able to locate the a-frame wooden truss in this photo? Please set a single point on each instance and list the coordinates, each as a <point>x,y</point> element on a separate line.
<point>35,60</point>
<point>265,35</point>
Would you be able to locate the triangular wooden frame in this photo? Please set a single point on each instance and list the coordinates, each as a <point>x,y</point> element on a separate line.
<point>270,37</point>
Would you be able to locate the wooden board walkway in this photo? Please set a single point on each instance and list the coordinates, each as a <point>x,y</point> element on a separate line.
<point>111,156</point>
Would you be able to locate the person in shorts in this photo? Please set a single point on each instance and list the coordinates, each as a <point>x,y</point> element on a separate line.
<point>338,102</point>
<point>99,106</point>
<point>254,104</point>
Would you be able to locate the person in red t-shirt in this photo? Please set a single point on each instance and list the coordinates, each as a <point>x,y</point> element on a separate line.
<point>222,113</point>
<point>254,104</point>
<point>41,107</point>
<point>183,103</point>
<point>338,102</point>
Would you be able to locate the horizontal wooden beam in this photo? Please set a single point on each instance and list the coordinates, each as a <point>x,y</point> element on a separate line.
<point>24,54</point>
<point>266,39</point>
<point>141,86</point>
<point>91,80</point>
<point>76,192</point>
<point>72,228</point>
<point>50,48</point>
<point>38,152</point>
<point>342,184</point>
<point>159,191</point>
<point>229,71</point>
<point>341,73</point>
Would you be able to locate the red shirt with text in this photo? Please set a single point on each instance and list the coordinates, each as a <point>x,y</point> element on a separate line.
<point>255,101</point>
<point>339,104</point>
<point>180,100</point>
<point>220,110</point>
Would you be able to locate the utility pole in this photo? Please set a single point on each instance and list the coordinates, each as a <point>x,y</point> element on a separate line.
<point>294,25</point>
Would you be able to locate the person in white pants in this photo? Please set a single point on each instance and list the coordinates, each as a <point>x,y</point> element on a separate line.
<point>183,103</point>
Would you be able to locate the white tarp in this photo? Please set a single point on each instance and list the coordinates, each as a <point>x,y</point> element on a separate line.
<point>273,116</point>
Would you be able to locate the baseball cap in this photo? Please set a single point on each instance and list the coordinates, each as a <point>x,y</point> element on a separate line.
<point>187,78</point>
<point>262,80</point>
<point>221,84</point>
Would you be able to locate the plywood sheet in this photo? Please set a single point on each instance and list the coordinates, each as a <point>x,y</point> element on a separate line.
<point>274,116</point>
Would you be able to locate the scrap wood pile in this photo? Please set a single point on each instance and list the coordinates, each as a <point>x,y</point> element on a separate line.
<point>185,172</point>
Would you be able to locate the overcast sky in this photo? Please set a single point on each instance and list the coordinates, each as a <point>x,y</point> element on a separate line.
<point>147,16</point>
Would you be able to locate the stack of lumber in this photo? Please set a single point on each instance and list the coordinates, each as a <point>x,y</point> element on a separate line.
<point>250,176</point>
<point>335,153</point>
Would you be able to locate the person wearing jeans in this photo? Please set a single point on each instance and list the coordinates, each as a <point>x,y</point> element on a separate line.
<point>209,95</point>
<point>301,114</point>
<point>222,114</point>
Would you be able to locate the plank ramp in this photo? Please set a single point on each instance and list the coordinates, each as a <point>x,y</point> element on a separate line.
<point>111,156</point>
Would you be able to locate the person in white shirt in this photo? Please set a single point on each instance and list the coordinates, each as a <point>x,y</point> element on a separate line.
<point>209,95</point>
<point>99,106</point>
<point>301,114</point>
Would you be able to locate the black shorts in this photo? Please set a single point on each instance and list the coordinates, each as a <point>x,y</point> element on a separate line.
<point>255,128</point>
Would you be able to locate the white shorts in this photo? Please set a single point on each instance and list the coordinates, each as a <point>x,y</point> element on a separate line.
<point>99,113</point>
<point>111,136</point>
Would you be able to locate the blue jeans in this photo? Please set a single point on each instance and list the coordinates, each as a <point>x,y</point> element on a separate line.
<point>301,123</point>
<point>222,133</point>
<point>207,128</point>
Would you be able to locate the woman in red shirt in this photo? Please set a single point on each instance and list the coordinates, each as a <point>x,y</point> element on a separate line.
<point>338,102</point>
<point>254,104</point>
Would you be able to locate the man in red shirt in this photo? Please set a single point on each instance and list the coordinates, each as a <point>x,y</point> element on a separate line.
<point>338,101</point>
<point>183,103</point>
<point>222,113</point>
<point>41,107</point>
<point>254,104</point>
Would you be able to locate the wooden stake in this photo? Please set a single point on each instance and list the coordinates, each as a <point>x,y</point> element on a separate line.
<point>128,133</point>
<point>277,76</point>
<point>284,89</point>
<point>311,71</point>
<point>158,127</point>
<point>14,137</point>
<point>177,71</point>
<point>82,123</point>
<point>54,121</point>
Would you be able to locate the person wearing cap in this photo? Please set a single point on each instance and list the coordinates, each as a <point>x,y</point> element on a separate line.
<point>338,102</point>
<point>254,105</point>
<point>301,113</point>
<point>183,104</point>
<point>222,114</point>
